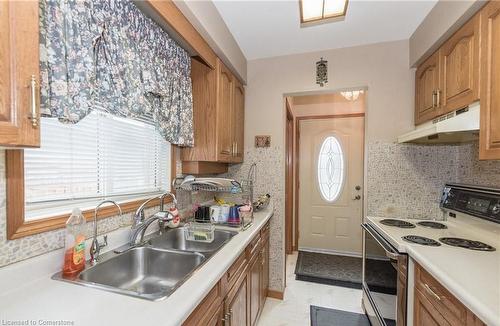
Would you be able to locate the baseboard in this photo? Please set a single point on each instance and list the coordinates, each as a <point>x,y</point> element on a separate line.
<point>275,294</point>
<point>331,252</point>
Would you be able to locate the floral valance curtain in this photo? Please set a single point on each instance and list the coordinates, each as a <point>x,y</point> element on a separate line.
<point>107,55</point>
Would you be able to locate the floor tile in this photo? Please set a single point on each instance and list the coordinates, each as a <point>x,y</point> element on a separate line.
<point>293,310</point>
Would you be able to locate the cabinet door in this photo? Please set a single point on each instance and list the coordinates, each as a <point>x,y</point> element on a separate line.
<point>425,314</point>
<point>19,64</point>
<point>225,114</point>
<point>264,272</point>
<point>255,287</point>
<point>217,318</point>
<point>460,68</point>
<point>238,122</point>
<point>204,85</point>
<point>489,136</point>
<point>236,304</point>
<point>426,86</point>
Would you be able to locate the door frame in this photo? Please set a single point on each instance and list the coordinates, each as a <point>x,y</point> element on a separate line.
<point>289,165</point>
<point>296,165</point>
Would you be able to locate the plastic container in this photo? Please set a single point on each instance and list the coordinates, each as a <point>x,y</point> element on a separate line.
<point>176,220</point>
<point>246,212</point>
<point>74,248</point>
<point>202,232</point>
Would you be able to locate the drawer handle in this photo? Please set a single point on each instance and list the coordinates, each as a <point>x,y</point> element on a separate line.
<point>33,96</point>
<point>227,319</point>
<point>429,290</point>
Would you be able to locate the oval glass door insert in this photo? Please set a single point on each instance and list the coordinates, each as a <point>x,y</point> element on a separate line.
<point>330,169</point>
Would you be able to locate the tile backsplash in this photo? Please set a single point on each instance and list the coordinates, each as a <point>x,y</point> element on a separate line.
<point>405,180</point>
<point>271,180</point>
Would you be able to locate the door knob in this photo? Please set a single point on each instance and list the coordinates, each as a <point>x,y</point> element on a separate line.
<point>358,188</point>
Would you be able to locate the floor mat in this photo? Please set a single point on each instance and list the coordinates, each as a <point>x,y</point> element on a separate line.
<point>332,317</point>
<point>344,271</point>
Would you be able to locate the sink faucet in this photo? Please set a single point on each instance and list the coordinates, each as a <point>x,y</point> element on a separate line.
<point>139,231</point>
<point>95,247</point>
<point>140,224</point>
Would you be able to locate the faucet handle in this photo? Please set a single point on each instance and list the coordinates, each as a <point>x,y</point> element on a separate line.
<point>164,216</point>
<point>105,242</point>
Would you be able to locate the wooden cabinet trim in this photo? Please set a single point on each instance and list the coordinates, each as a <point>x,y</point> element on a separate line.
<point>19,61</point>
<point>440,301</point>
<point>489,136</point>
<point>426,83</point>
<point>208,308</point>
<point>465,81</point>
<point>425,314</point>
<point>253,248</point>
<point>234,272</point>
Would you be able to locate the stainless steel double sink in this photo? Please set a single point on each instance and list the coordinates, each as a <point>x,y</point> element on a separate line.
<point>152,271</point>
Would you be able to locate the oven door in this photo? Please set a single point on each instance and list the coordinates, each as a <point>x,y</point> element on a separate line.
<point>380,280</point>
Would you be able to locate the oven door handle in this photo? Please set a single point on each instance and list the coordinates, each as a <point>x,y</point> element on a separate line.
<point>389,251</point>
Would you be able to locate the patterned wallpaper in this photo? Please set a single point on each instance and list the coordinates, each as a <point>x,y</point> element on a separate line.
<point>473,171</point>
<point>271,180</point>
<point>405,180</point>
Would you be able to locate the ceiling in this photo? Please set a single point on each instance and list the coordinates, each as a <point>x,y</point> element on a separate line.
<point>272,28</point>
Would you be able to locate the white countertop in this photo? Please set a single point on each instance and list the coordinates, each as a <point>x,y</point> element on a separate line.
<point>472,276</point>
<point>26,296</point>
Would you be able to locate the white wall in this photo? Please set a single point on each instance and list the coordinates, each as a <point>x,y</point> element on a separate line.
<point>382,67</point>
<point>209,23</point>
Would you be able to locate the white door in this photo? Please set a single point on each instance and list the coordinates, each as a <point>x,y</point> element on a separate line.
<point>330,184</point>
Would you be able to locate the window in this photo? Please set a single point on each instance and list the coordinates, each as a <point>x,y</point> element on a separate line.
<point>101,157</point>
<point>315,11</point>
<point>330,169</point>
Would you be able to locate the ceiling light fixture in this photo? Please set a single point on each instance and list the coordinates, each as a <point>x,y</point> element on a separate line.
<point>319,11</point>
<point>351,95</point>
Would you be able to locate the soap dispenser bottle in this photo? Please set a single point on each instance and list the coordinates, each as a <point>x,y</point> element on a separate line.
<point>74,248</point>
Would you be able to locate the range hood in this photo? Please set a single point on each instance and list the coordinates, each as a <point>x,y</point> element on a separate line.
<point>455,127</point>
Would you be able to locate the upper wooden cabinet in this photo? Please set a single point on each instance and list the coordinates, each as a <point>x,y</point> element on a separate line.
<point>225,108</point>
<point>19,74</point>
<point>218,109</point>
<point>427,83</point>
<point>489,138</point>
<point>460,68</point>
<point>449,79</point>
<point>238,122</point>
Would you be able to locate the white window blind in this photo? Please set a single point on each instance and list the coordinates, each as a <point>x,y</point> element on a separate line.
<point>100,157</point>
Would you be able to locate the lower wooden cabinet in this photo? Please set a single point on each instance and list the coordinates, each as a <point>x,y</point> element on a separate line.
<point>236,303</point>
<point>264,281</point>
<point>210,307</point>
<point>238,298</point>
<point>425,313</point>
<point>255,288</point>
<point>434,305</point>
<point>217,319</point>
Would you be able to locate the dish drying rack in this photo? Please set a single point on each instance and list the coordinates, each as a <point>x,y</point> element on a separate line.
<point>238,192</point>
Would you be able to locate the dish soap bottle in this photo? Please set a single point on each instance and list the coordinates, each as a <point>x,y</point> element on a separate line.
<point>74,249</point>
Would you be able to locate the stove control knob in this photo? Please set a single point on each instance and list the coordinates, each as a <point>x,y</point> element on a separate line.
<point>496,209</point>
